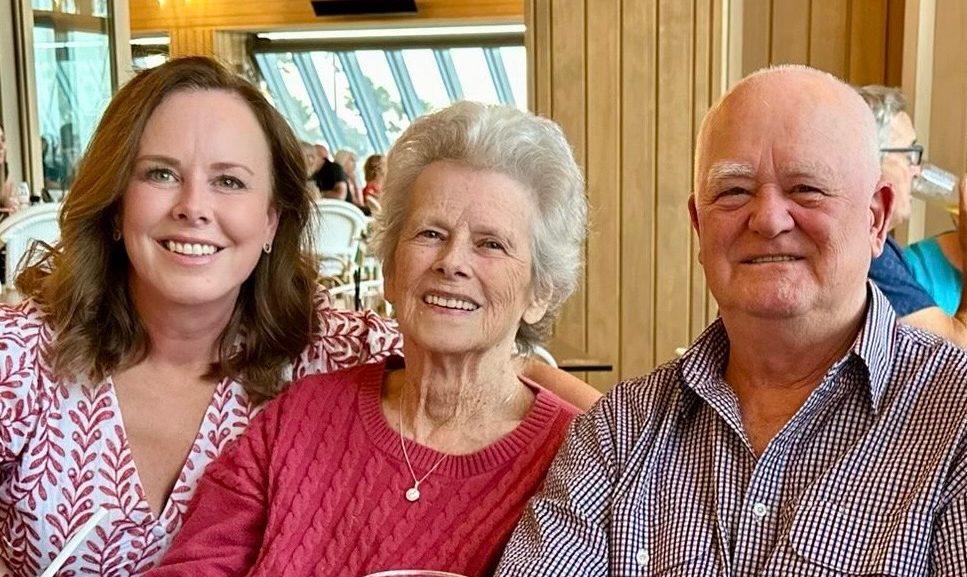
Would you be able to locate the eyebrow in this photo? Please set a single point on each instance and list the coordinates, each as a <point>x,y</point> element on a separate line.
<point>723,170</point>
<point>173,162</point>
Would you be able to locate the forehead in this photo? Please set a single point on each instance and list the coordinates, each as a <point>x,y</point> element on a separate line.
<point>783,126</point>
<point>901,130</point>
<point>214,116</point>
<point>459,193</point>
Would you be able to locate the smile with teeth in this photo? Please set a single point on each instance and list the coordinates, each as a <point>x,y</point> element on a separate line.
<point>450,303</point>
<point>191,248</point>
<point>774,258</point>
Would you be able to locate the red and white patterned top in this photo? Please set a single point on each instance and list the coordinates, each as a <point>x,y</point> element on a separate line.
<point>64,453</point>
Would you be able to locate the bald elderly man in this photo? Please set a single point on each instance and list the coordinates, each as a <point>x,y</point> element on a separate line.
<point>806,431</point>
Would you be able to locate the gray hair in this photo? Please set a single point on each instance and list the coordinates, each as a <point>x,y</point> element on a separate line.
<point>885,102</point>
<point>531,150</point>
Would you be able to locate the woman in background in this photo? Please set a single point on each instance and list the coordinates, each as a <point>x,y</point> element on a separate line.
<point>374,170</point>
<point>938,266</point>
<point>347,160</point>
<point>8,194</point>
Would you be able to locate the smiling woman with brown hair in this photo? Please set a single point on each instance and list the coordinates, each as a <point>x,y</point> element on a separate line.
<point>178,298</point>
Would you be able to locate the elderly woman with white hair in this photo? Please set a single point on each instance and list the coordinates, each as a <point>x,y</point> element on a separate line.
<point>428,463</point>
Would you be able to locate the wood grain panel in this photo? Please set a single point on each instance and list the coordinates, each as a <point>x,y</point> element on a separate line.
<point>569,109</point>
<point>790,37</point>
<point>194,40</point>
<point>847,38</point>
<point>756,34</point>
<point>638,166</point>
<point>673,254</point>
<point>948,99</point>
<point>867,50</point>
<point>707,87</point>
<point>829,36</point>
<point>603,170</point>
<point>637,79</point>
<point>149,16</point>
<point>895,13</point>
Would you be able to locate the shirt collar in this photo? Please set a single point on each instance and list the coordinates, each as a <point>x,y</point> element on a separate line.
<point>703,363</point>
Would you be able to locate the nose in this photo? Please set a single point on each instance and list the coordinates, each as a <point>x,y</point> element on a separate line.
<point>192,204</point>
<point>770,213</point>
<point>453,260</point>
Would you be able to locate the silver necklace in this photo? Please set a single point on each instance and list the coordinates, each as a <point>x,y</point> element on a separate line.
<point>413,493</point>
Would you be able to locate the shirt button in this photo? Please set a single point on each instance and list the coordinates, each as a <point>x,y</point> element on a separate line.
<point>641,557</point>
<point>158,531</point>
<point>760,510</point>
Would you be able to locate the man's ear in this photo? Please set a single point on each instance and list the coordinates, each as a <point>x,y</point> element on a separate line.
<point>693,216</point>
<point>881,209</point>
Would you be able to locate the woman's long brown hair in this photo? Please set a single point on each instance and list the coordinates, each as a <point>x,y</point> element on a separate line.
<point>82,282</point>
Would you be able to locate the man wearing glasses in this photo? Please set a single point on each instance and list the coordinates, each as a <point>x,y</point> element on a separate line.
<point>900,161</point>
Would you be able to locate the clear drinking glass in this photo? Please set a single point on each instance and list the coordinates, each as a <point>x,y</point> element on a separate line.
<point>414,573</point>
<point>23,194</point>
<point>937,186</point>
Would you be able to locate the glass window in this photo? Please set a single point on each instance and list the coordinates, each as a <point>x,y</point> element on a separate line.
<point>471,69</point>
<point>72,59</point>
<point>362,99</point>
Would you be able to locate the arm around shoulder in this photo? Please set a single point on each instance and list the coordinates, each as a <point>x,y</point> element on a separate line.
<point>561,383</point>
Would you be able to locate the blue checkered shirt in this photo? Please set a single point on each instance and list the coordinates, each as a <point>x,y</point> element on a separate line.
<point>869,477</point>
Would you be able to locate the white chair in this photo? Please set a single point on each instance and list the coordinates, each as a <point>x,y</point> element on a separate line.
<point>20,229</point>
<point>370,296</point>
<point>340,228</point>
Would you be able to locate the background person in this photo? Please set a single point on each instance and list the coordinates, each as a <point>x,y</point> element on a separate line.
<point>900,160</point>
<point>179,297</point>
<point>938,265</point>
<point>806,431</point>
<point>374,171</point>
<point>330,178</point>
<point>347,160</point>
<point>8,193</point>
<point>426,464</point>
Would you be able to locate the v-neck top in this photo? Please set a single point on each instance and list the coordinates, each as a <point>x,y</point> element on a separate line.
<point>64,453</point>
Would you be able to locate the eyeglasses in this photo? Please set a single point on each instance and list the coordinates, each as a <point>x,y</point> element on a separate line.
<point>914,153</point>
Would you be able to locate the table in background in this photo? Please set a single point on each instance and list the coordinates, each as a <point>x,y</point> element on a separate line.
<point>574,360</point>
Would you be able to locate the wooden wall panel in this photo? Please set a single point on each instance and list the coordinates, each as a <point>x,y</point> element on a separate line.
<point>567,47</point>
<point>756,38</point>
<point>149,16</point>
<point>867,52</point>
<point>644,70</point>
<point>603,173</point>
<point>860,41</point>
<point>674,139</point>
<point>639,157</point>
<point>790,36</point>
<point>947,142</point>
<point>829,37</point>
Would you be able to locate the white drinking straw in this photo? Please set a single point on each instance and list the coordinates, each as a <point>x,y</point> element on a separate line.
<point>76,539</point>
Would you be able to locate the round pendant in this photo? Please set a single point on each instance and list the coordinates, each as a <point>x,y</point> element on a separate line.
<point>412,494</point>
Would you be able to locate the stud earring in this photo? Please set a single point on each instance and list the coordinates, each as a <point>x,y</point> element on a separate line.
<point>116,235</point>
<point>267,247</point>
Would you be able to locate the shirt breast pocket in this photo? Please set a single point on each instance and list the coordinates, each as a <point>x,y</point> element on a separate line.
<point>850,540</point>
<point>649,547</point>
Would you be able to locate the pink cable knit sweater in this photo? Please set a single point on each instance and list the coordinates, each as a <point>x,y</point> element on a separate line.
<point>316,485</point>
